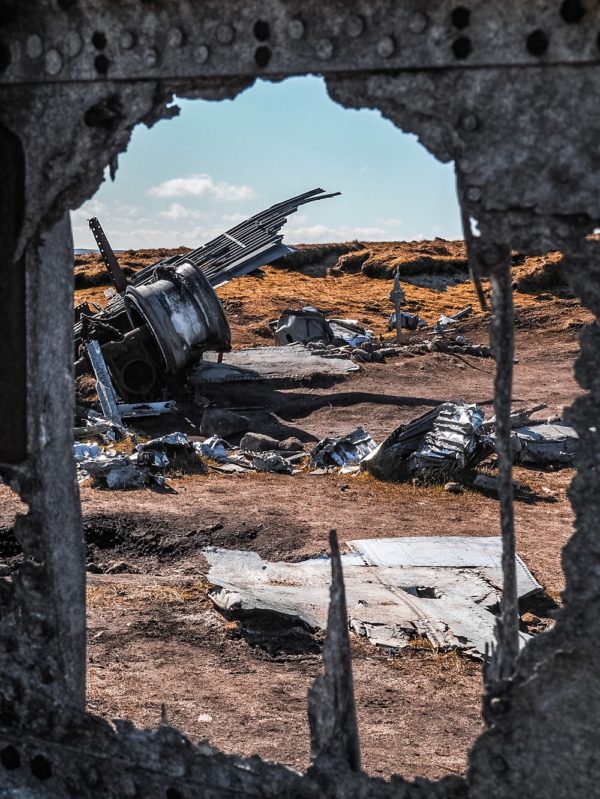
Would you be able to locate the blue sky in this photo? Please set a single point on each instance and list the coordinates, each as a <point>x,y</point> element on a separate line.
<point>187,179</point>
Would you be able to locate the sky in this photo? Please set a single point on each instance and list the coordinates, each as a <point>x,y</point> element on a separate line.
<point>185,180</point>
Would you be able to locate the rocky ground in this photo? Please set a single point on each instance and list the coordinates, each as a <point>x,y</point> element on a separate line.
<point>154,637</point>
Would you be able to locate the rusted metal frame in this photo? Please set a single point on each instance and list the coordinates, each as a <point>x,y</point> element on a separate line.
<point>13,349</point>
<point>108,256</point>
<point>507,650</point>
<point>179,42</point>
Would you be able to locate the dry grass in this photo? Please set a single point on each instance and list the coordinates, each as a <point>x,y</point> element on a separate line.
<point>133,592</point>
<point>332,278</point>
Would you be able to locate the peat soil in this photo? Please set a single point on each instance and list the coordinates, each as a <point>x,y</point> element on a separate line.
<point>154,638</point>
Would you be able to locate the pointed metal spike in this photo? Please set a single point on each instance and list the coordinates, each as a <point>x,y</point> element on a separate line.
<point>164,717</point>
<point>331,707</point>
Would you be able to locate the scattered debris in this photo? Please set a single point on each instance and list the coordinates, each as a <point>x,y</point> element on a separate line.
<point>408,321</point>
<point>303,326</point>
<point>447,440</point>
<point>309,326</point>
<point>545,444</point>
<point>117,472</point>
<point>272,462</point>
<point>443,589</point>
<point>215,448</point>
<point>445,322</point>
<point>344,451</point>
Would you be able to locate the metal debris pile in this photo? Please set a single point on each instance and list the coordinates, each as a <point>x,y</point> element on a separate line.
<point>446,443</point>
<point>346,338</point>
<point>146,465</point>
<point>168,313</point>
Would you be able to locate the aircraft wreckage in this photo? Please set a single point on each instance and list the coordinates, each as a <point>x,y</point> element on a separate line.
<point>157,322</point>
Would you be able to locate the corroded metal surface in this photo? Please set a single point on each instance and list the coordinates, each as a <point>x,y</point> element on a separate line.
<point>504,89</point>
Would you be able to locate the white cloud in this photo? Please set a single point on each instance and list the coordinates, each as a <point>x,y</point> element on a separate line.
<point>176,211</point>
<point>88,210</point>
<point>300,231</point>
<point>201,186</point>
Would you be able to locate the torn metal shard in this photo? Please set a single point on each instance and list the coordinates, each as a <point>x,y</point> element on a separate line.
<point>443,441</point>
<point>545,444</point>
<point>461,552</point>
<point>444,589</point>
<point>104,386</point>
<point>139,410</point>
<point>309,326</point>
<point>272,462</point>
<point>346,450</point>
<point>285,364</point>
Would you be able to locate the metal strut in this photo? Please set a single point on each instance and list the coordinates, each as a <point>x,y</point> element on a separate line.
<point>505,654</point>
<point>108,256</point>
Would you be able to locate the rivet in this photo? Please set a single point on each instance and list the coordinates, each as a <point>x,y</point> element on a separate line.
<point>498,705</point>
<point>355,26</point>
<point>225,34</point>
<point>73,43</point>
<point>127,40</point>
<point>91,776</point>
<point>474,194</point>
<point>499,764</point>
<point>465,165</point>
<point>54,62</point>
<point>469,122</point>
<point>491,254</point>
<point>201,54</point>
<point>296,29</point>
<point>418,22</point>
<point>324,49</point>
<point>175,37</point>
<point>150,57</point>
<point>386,47</point>
<point>34,46</point>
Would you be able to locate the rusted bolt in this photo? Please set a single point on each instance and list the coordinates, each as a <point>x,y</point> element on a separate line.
<point>127,40</point>
<point>355,26</point>
<point>296,29</point>
<point>324,49</point>
<point>469,122</point>
<point>418,22</point>
<point>201,54</point>
<point>499,764</point>
<point>91,776</point>
<point>73,43</point>
<point>474,194</point>
<point>175,37</point>
<point>225,34</point>
<point>150,57</point>
<point>34,46</point>
<point>498,705</point>
<point>491,254</point>
<point>386,47</point>
<point>53,62</point>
